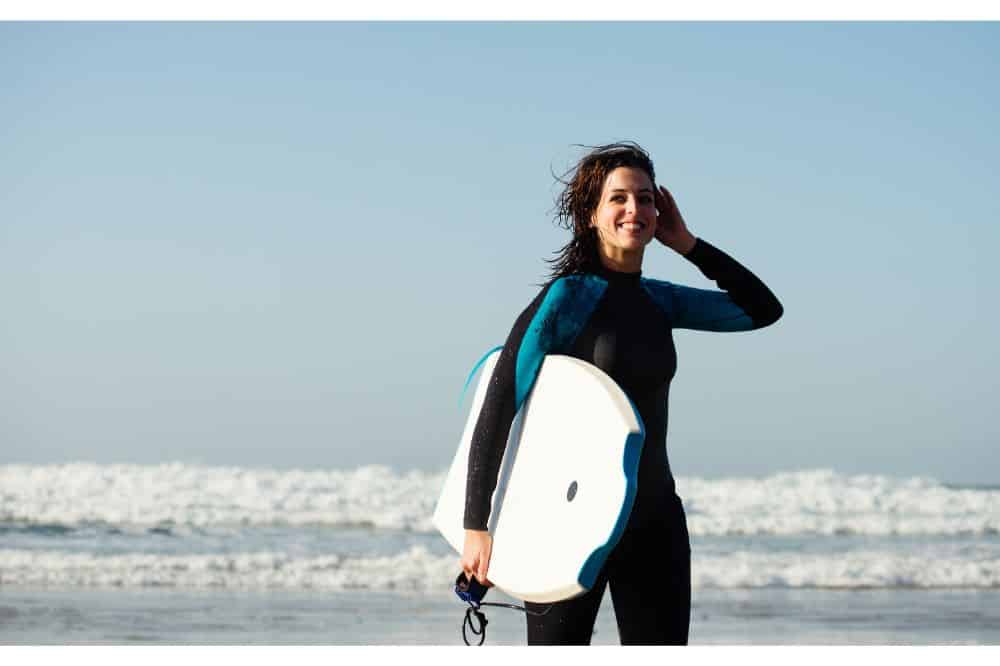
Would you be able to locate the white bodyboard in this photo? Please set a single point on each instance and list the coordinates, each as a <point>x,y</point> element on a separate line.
<point>566,484</point>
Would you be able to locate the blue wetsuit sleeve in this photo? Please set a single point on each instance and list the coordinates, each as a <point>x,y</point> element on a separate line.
<point>489,439</point>
<point>744,304</point>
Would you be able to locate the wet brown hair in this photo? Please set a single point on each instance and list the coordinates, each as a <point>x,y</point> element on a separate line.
<point>581,194</point>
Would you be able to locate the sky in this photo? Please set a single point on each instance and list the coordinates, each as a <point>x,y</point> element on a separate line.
<point>287,244</point>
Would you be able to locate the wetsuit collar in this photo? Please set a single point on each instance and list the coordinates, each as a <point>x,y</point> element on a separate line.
<point>618,277</point>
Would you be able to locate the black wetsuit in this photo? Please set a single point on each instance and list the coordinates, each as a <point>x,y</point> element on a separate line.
<point>628,335</point>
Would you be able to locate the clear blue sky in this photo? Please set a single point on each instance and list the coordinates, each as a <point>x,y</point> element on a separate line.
<point>286,244</point>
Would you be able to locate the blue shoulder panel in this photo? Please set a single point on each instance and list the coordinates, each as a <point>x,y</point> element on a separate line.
<point>698,309</point>
<point>562,315</point>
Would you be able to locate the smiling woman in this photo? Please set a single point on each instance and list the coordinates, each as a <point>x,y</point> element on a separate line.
<point>625,218</point>
<point>612,206</point>
<point>615,210</point>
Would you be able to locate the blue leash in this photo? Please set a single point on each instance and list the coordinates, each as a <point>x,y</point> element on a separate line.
<point>472,593</point>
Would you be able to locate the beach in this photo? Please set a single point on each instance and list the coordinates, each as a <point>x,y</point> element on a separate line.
<point>719,617</point>
<point>197,555</point>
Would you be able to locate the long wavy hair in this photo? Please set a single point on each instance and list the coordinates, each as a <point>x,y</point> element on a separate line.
<point>578,201</point>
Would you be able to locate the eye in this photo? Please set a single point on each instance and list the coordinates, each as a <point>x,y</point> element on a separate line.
<point>645,200</point>
<point>618,197</point>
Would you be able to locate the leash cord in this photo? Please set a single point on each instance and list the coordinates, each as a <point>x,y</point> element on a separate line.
<point>473,611</point>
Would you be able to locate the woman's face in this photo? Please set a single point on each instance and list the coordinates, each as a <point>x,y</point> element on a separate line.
<point>626,215</point>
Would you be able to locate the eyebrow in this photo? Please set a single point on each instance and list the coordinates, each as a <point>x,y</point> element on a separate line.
<point>622,189</point>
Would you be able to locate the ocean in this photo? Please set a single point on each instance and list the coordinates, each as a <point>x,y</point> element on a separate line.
<point>189,554</point>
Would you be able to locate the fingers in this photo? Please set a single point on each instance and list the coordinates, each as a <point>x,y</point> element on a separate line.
<point>658,195</point>
<point>481,574</point>
<point>668,199</point>
<point>477,569</point>
<point>667,207</point>
<point>476,556</point>
<point>664,202</point>
<point>484,563</point>
<point>481,577</point>
<point>469,567</point>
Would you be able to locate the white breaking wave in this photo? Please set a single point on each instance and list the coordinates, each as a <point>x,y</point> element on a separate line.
<point>796,503</point>
<point>193,495</point>
<point>419,570</point>
<point>822,502</point>
<point>415,569</point>
<point>855,569</point>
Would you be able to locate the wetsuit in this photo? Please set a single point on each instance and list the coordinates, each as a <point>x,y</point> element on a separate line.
<point>620,322</point>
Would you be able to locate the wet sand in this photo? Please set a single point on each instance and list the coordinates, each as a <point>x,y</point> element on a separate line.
<point>719,617</point>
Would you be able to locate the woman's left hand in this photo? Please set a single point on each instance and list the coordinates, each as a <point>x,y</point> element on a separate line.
<point>670,227</point>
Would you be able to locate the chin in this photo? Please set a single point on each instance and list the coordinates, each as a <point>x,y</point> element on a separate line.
<point>636,243</point>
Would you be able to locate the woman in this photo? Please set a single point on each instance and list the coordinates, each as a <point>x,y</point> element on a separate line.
<point>600,309</point>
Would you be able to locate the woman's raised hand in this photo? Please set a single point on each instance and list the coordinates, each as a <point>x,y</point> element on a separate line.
<point>476,555</point>
<point>670,227</point>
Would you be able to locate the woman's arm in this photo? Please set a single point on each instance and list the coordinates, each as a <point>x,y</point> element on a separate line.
<point>489,441</point>
<point>714,310</point>
<point>745,303</point>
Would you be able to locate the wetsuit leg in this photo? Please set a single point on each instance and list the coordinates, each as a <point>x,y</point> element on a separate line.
<point>649,573</point>
<point>569,622</point>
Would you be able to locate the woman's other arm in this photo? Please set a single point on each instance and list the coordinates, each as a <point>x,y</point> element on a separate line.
<point>745,303</point>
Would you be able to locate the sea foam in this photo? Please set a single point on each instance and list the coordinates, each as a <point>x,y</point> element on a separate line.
<point>418,569</point>
<point>193,495</point>
<point>817,502</point>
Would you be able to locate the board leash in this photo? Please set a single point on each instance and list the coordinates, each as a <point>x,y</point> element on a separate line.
<point>473,593</point>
